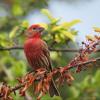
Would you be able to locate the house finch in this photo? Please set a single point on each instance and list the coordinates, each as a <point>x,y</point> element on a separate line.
<point>37,53</point>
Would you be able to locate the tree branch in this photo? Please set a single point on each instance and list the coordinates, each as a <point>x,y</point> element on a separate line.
<point>85,63</point>
<point>68,50</point>
<point>79,64</point>
<point>11,48</point>
<point>51,49</point>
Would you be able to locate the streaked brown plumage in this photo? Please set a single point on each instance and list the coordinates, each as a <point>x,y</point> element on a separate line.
<point>37,53</point>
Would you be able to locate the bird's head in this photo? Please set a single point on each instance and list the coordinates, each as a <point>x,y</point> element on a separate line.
<point>34,31</point>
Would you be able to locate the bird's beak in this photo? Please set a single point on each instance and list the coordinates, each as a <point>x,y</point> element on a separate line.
<point>40,29</point>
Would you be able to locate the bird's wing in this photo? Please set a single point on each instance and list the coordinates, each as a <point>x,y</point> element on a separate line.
<point>53,89</point>
<point>46,54</point>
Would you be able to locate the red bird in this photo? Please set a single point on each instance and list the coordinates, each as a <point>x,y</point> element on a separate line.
<point>37,53</point>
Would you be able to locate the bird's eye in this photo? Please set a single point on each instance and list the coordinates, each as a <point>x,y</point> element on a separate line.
<point>33,28</point>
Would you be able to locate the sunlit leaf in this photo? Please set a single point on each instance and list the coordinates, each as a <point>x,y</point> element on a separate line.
<point>96,29</point>
<point>69,35</point>
<point>53,55</point>
<point>90,37</point>
<point>25,24</point>
<point>17,10</point>
<point>18,30</point>
<point>4,40</point>
<point>12,34</point>
<point>70,24</point>
<point>47,13</point>
<point>55,20</point>
<point>74,22</point>
<point>44,25</point>
<point>56,28</point>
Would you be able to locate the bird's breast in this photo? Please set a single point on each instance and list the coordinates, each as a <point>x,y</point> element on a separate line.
<point>32,45</point>
<point>33,51</point>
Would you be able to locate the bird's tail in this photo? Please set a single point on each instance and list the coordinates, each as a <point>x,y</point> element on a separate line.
<point>53,89</point>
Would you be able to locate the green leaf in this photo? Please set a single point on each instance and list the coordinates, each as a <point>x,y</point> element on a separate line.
<point>74,22</point>
<point>19,68</point>
<point>44,25</point>
<point>48,14</point>
<point>70,24</point>
<point>46,97</point>
<point>56,28</point>
<point>74,92</point>
<point>55,21</point>
<point>25,24</point>
<point>17,10</point>
<point>4,40</point>
<point>56,98</point>
<point>97,78</point>
<point>69,35</point>
<point>12,34</point>
<point>18,30</point>
<point>85,83</point>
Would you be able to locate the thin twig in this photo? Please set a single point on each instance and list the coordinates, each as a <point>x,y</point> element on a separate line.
<point>11,48</point>
<point>68,50</point>
<point>51,49</point>
<point>85,63</point>
<point>17,87</point>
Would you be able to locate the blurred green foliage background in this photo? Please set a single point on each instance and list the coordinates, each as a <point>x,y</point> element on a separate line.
<point>59,34</point>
